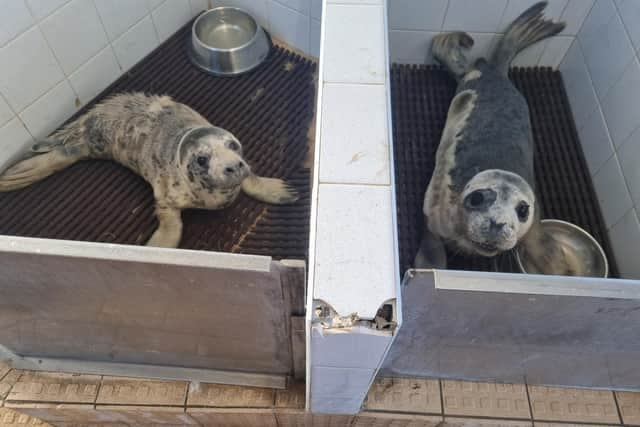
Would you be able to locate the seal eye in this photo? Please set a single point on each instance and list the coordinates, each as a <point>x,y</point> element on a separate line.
<point>475,199</point>
<point>234,146</point>
<point>523,211</point>
<point>202,161</point>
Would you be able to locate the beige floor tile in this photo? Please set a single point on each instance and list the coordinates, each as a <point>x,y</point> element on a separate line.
<point>54,387</point>
<point>135,391</point>
<point>4,370</point>
<point>234,417</point>
<point>152,415</point>
<point>56,413</point>
<point>10,418</point>
<point>300,418</point>
<point>484,422</point>
<point>378,419</point>
<point>629,404</point>
<point>230,396</point>
<point>477,399</point>
<point>538,424</point>
<point>293,397</point>
<point>573,405</point>
<point>7,383</point>
<point>404,395</point>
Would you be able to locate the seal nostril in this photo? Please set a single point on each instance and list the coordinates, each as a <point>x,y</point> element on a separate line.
<point>229,171</point>
<point>240,165</point>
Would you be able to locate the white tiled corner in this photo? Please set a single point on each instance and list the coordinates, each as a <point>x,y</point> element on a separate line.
<point>288,25</point>
<point>626,235</point>
<point>50,111</point>
<point>198,6</point>
<point>596,142</point>
<point>630,13</point>
<point>302,6</point>
<point>474,16</point>
<point>14,20</point>
<point>621,107</point>
<point>43,8</point>
<point>316,9</point>
<point>597,18</point>
<point>14,140</point>
<point>354,267</point>
<point>516,7</point>
<point>136,43</point>
<point>555,50</point>
<point>482,45</point>
<point>574,15</point>
<point>355,44</point>
<point>95,75</point>
<point>580,91</point>
<point>355,148</point>
<point>629,155</point>
<point>120,15</point>
<point>74,40</point>
<point>339,390</point>
<point>417,14</point>
<point>314,38</point>
<point>6,113</point>
<point>257,8</point>
<point>611,189</point>
<point>374,2</point>
<point>410,47</point>
<point>607,54</point>
<point>152,4</point>
<point>170,16</point>
<point>29,69</point>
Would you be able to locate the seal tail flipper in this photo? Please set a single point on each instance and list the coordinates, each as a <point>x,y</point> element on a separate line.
<point>44,160</point>
<point>527,29</point>
<point>450,50</point>
<point>269,190</point>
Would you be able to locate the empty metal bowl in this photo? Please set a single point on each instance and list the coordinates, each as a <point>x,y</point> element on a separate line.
<point>227,41</point>
<point>578,246</point>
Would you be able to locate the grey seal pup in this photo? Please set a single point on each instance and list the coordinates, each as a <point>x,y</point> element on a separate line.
<point>481,197</point>
<point>188,162</point>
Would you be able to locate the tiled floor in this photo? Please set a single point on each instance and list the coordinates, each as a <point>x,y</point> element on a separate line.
<point>30,398</point>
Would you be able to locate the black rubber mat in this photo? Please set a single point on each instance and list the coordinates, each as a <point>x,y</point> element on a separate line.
<point>269,109</point>
<point>420,100</point>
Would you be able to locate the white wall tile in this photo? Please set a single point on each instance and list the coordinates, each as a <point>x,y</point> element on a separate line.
<point>355,149</point>
<point>314,38</point>
<point>630,13</point>
<point>29,69</point>
<point>607,54</point>
<point>15,18</point>
<point>577,82</point>
<point>374,2</point>
<point>612,192</point>
<point>621,107</point>
<point>289,26</point>
<point>530,56</point>
<point>474,16</point>
<point>152,4</point>
<point>354,40</point>
<point>574,15</point>
<point>257,8</point>
<point>74,40</point>
<point>555,50</point>
<point>43,8</point>
<point>417,14</point>
<point>170,16</point>
<point>629,155</point>
<point>302,6</point>
<point>50,111</point>
<point>198,6</point>
<point>599,15</point>
<point>316,9</point>
<point>95,75</point>
<point>516,7</point>
<point>14,140</point>
<point>625,236</point>
<point>120,15</point>
<point>410,47</point>
<point>596,142</point>
<point>136,43</point>
<point>6,113</point>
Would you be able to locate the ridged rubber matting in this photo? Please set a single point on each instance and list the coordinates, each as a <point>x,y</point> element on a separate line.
<point>420,99</point>
<point>269,110</point>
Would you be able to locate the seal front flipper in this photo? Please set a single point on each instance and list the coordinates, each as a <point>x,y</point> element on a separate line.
<point>169,231</point>
<point>431,253</point>
<point>269,190</point>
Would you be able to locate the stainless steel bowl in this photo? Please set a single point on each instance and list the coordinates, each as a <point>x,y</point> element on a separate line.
<point>578,246</point>
<point>227,41</point>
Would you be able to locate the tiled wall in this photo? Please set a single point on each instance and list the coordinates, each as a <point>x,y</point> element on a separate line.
<point>413,23</point>
<point>56,55</point>
<point>602,76</point>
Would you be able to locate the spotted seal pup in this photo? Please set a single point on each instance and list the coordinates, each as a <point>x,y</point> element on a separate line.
<point>188,162</point>
<point>481,199</point>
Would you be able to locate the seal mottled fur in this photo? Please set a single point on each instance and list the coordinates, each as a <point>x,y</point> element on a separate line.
<point>188,162</point>
<point>481,197</point>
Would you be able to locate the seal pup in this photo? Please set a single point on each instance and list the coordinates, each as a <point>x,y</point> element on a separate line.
<point>481,199</point>
<point>188,162</point>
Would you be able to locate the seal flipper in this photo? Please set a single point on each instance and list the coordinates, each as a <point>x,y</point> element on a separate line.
<point>450,48</point>
<point>169,231</point>
<point>525,30</point>
<point>431,253</point>
<point>269,190</point>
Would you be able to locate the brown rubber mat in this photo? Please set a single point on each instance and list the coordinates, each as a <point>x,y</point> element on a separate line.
<point>420,100</point>
<point>269,109</point>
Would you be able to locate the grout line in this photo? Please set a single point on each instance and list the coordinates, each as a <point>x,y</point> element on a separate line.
<point>444,16</point>
<point>615,399</point>
<point>440,386</point>
<point>526,390</point>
